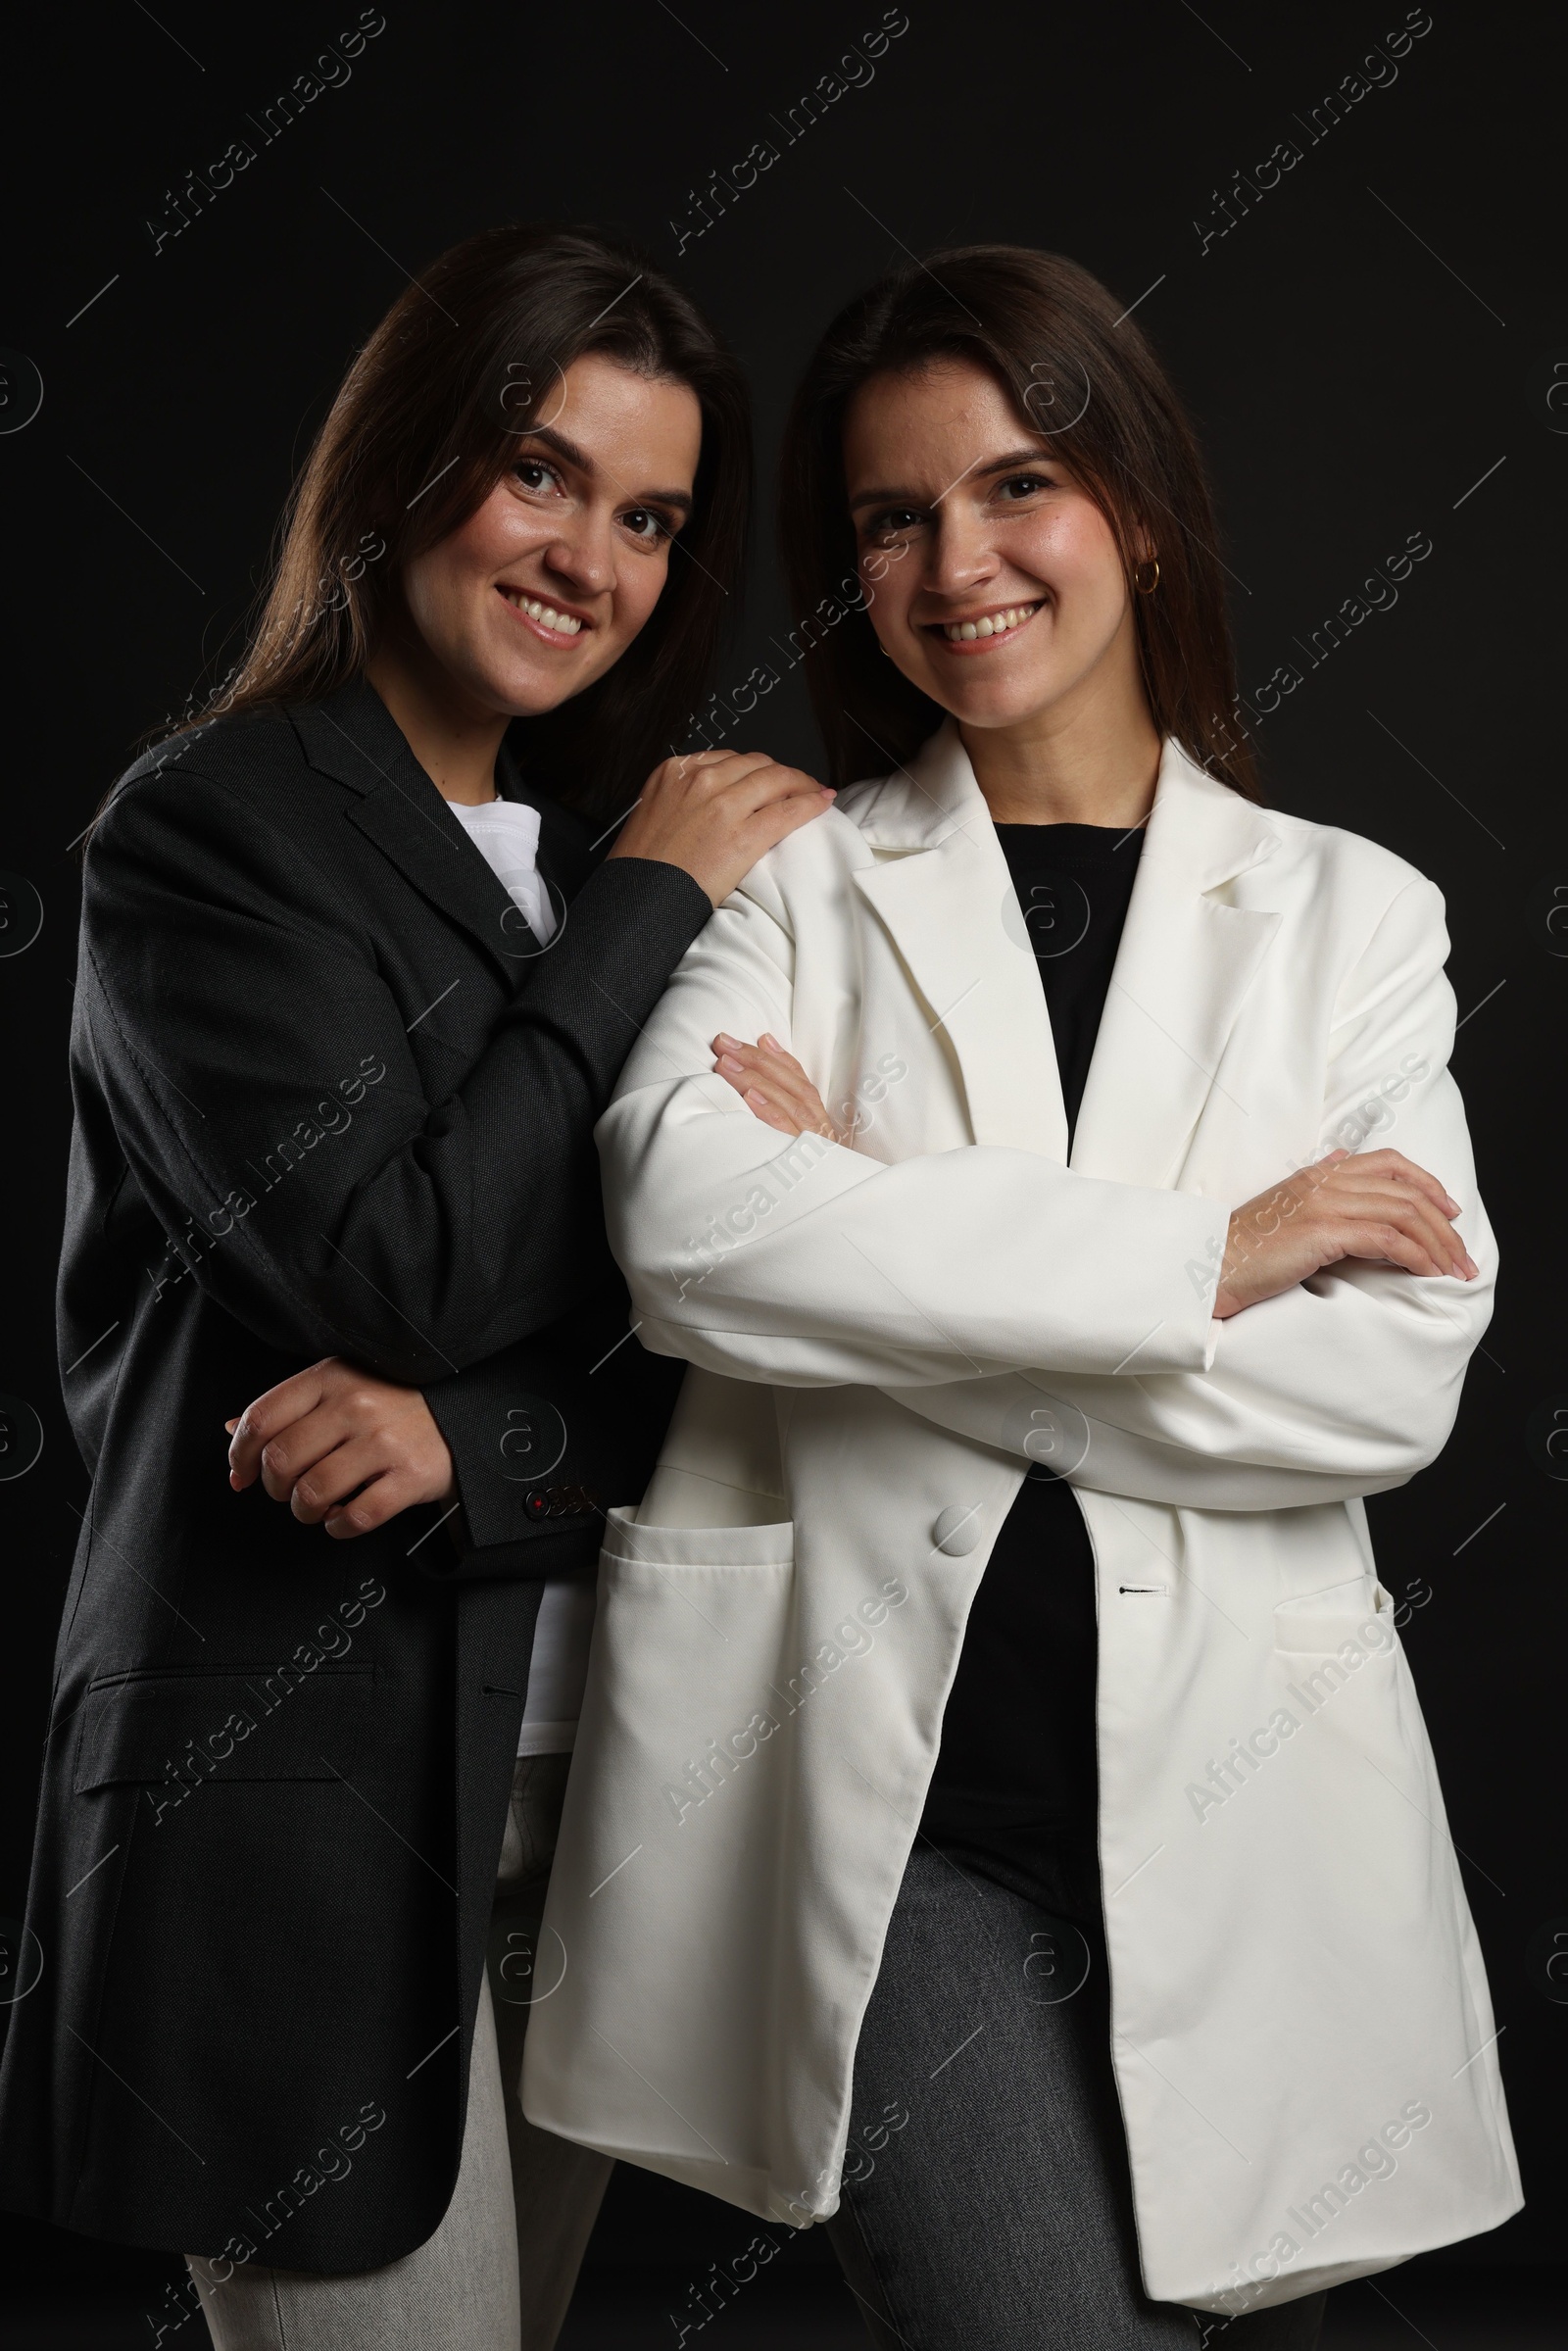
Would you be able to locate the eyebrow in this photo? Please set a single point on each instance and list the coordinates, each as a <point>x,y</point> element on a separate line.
<point>573,456</point>
<point>1016,461</point>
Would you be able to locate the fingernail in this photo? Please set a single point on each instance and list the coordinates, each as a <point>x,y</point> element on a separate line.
<point>728,1061</point>
<point>230,1426</point>
<point>766,1039</point>
<point>721,1039</point>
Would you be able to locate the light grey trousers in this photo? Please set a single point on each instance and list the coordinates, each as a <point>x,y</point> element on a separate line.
<point>498,2273</point>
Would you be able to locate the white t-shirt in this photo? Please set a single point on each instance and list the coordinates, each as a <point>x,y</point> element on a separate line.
<point>506,833</point>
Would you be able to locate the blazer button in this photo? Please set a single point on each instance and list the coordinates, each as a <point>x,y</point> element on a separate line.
<point>957,1530</point>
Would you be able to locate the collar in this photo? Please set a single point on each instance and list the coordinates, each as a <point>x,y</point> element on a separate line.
<point>353,737</point>
<point>1204,833</point>
<point>1183,968</point>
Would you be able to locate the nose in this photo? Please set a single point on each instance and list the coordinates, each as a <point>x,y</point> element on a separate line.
<point>960,557</point>
<point>584,555</point>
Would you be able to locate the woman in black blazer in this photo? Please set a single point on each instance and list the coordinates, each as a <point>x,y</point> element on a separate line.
<point>336,1084</point>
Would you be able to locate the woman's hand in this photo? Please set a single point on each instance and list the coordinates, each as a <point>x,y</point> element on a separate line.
<point>1372,1205</point>
<point>716,812</point>
<point>1376,1205</point>
<point>773,1086</point>
<point>341,1447</point>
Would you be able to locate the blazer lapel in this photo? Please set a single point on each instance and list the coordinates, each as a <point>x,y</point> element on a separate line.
<point>354,738</point>
<point>942,892</point>
<point>1185,963</point>
<point>947,903</point>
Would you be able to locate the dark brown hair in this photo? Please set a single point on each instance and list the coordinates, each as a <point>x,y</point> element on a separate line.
<point>1053,338</point>
<point>426,422</point>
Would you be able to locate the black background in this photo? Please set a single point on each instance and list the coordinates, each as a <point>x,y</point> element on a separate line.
<point>1368,353</point>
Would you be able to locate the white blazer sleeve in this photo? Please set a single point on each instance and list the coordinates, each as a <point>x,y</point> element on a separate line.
<point>803,1264</point>
<point>1347,1383</point>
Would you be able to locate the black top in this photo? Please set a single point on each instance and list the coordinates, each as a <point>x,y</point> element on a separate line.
<point>1014,1788</point>
<point>331,1098</point>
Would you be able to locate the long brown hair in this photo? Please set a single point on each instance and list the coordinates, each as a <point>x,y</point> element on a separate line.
<point>426,422</point>
<point>1052,337</point>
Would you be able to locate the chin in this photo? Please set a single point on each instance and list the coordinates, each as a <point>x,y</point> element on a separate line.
<point>524,689</point>
<point>1002,705</point>
<point>503,691</point>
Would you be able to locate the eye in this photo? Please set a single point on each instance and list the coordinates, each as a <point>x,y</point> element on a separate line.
<point>645,523</point>
<point>535,473</point>
<point>1023,485</point>
<point>892,522</point>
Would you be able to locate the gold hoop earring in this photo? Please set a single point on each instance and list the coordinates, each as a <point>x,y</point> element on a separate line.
<point>1146,587</point>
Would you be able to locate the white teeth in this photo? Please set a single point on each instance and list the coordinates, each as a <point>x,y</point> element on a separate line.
<point>996,624</point>
<point>548,617</point>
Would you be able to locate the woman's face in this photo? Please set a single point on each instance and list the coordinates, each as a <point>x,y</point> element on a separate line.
<point>547,583</point>
<point>994,581</point>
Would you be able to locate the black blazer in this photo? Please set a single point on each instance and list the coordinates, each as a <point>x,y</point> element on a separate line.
<point>331,1098</point>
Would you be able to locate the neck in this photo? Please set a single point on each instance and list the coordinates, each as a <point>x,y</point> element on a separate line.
<point>1092,758</point>
<point>454,740</point>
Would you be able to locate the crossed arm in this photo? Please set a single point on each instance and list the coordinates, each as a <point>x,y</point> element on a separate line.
<point>1377,1205</point>
<point>1347,1303</point>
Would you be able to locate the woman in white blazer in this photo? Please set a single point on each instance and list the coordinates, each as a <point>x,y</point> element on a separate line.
<point>1001,1816</point>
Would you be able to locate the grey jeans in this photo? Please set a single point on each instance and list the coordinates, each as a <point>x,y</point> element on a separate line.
<point>498,2273</point>
<point>987,2204</point>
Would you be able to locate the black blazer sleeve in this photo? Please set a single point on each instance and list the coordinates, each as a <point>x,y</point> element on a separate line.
<point>262,1083</point>
<point>544,1435</point>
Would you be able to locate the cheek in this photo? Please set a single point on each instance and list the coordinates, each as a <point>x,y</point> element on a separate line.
<point>887,584</point>
<point>434,602</point>
<point>460,568</point>
<point>1076,558</point>
<point>1072,551</point>
<point>493,532</point>
<point>441,586</point>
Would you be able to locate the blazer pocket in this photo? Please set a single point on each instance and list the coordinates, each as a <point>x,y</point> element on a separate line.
<point>232,1721</point>
<point>693,1649</point>
<point>1320,1624</point>
<point>628,1543</point>
<point>690,1616</point>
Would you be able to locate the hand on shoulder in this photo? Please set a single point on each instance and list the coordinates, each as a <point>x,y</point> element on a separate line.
<point>716,812</point>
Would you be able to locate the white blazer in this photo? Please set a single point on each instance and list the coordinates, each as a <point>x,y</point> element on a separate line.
<point>883,1334</point>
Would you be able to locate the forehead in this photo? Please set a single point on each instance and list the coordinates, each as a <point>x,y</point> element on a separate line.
<point>627,422</point>
<point>950,413</point>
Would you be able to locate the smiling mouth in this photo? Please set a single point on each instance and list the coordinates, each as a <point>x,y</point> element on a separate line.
<point>982,625</point>
<point>547,619</point>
